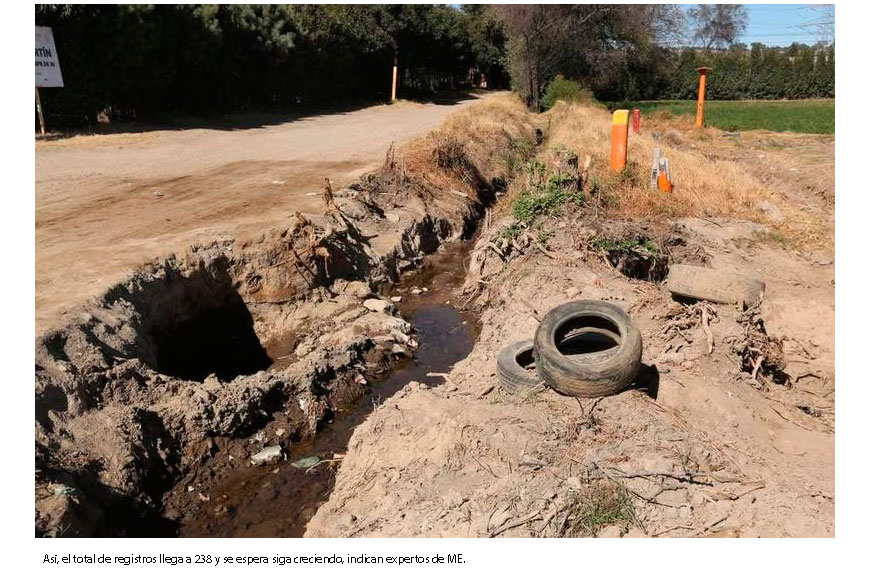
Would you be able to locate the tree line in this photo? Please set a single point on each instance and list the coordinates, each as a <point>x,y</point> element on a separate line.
<point>630,52</point>
<point>146,62</point>
<point>757,72</point>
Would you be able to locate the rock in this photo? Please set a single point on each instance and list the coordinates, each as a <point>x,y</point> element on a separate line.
<point>572,292</point>
<point>378,305</point>
<point>303,349</point>
<point>713,285</point>
<point>399,336</point>
<point>396,299</point>
<point>395,323</point>
<point>358,289</point>
<point>306,462</point>
<point>353,208</point>
<point>62,489</point>
<point>416,291</point>
<point>392,217</point>
<point>268,456</point>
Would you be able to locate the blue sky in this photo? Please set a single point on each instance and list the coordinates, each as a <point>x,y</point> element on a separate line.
<point>777,24</point>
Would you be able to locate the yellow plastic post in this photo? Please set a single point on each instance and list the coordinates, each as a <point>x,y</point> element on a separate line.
<point>702,93</point>
<point>619,140</point>
<point>395,76</point>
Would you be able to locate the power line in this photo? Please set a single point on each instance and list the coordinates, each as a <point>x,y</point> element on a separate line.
<point>822,23</point>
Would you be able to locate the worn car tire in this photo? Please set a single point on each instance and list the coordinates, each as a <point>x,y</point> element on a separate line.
<point>594,374</point>
<point>511,373</point>
<point>513,359</point>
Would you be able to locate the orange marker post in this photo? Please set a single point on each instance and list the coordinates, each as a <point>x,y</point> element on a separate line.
<point>619,140</point>
<point>702,93</point>
<point>635,121</point>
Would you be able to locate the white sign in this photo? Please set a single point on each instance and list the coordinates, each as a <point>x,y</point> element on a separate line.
<point>47,64</point>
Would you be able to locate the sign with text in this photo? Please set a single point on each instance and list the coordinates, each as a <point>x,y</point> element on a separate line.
<point>47,64</point>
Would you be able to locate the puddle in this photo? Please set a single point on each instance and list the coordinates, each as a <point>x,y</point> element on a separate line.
<point>278,501</point>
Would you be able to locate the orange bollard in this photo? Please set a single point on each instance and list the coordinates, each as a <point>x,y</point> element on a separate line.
<point>702,93</point>
<point>619,140</point>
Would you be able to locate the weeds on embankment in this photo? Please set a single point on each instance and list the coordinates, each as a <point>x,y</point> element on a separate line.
<point>703,187</point>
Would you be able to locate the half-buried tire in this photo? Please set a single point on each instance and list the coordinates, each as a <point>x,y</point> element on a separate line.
<point>594,374</point>
<point>513,365</point>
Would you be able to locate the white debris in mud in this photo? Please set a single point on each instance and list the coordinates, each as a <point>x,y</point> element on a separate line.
<point>268,456</point>
<point>377,305</point>
<point>396,298</point>
<point>400,336</point>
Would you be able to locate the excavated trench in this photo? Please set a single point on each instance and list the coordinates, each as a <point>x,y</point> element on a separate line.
<point>151,406</point>
<point>278,500</point>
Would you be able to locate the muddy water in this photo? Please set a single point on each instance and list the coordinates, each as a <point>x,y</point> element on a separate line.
<point>278,501</point>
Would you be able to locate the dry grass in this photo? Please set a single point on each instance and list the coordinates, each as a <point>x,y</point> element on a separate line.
<point>487,141</point>
<point>703,187</point>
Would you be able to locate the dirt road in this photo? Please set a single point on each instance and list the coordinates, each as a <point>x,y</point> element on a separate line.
<point>106,203</point>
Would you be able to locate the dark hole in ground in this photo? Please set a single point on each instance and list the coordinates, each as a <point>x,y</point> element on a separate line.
<point>244,499</point>
<point>218,341</point>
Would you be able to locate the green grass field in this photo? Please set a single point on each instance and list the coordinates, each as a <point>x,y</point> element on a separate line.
<point>809,116</point>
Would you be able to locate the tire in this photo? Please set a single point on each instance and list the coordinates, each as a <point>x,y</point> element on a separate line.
<point>511,373</point>
<point>595,374</point>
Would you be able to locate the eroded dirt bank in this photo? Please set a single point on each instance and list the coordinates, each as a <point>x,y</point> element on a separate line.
<point>729,430</point>
<point>242,345</point>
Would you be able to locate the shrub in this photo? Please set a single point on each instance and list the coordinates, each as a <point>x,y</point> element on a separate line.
<point>562,89</point>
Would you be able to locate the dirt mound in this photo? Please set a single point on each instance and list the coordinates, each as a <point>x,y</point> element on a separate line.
<point>728,431</point>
